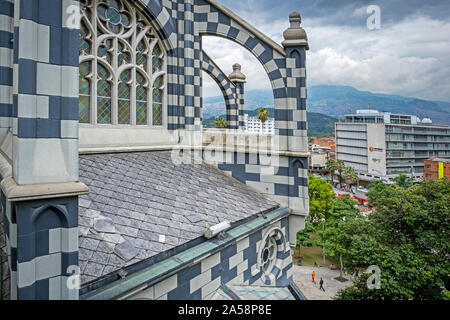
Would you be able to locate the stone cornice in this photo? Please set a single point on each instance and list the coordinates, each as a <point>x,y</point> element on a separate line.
<point>15,192</point>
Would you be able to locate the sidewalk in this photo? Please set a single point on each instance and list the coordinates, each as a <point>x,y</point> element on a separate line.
<point>302,278</point>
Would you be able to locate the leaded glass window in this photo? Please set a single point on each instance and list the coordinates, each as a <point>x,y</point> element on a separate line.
<point>122,66</point>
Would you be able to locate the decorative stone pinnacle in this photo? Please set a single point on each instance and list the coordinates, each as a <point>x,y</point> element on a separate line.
<point>295,35</point>
<point>237,75</point>
<point>295,19</point>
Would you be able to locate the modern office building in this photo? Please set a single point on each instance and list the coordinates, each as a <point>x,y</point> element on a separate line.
<point>380,145</point>
<point>254,125</point>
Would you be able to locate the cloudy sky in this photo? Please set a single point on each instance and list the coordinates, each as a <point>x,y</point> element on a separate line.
<point>408,55</point>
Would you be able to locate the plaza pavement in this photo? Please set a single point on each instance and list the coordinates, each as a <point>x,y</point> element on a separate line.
<point>302,278</point>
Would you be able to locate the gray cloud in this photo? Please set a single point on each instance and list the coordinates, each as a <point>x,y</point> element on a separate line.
<point>409,55</point>
<point>342,12</point>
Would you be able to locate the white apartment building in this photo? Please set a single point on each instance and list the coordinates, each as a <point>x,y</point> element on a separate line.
<point>380,145</point>
<point>254,125</point>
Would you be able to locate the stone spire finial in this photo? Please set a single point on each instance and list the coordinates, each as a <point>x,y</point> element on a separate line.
<point>295,35</point>
<point>237,75</point>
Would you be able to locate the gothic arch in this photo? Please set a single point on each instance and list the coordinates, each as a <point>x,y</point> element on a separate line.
<point>226,86</point>
<point>211,21</point>
<point>161,20</point>
<point>54,215</point>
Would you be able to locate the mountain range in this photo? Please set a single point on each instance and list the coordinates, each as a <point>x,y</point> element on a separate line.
<point>336,101</point>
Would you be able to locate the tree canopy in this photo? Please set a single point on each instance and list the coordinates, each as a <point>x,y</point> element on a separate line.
<point>221,123</point>
<point>407,237</point>
<point>343,212</point>
<point>263,114</point>
<point>321,197</point>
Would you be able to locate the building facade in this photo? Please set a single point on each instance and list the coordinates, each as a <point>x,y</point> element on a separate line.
<point>101,117</point>
<point>254,125</point>
<point>382,145</point>
<point>436,168</point>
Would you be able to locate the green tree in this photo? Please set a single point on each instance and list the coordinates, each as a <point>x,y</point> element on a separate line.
<point>340,167</point>
<point>221,123</point>
<point>263,114</point>
<point>331,167</point>
<point>321,198</point>
<point>349,175</point>
<point>407,238</point>
<point>403,181</point>
<point>304,237</point>
<point>343,212</point>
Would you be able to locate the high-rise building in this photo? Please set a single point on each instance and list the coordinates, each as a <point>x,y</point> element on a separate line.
<point>380,145</point>
<point>254,125</point>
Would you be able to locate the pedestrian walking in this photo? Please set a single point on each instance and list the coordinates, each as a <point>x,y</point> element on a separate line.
<point>313,276</point>
<point>321,285</point>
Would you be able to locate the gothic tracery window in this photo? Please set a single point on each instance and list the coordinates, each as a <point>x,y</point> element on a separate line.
<point>122,66</point>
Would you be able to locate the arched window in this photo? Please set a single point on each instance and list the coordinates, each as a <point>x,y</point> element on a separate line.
<point>122,66</point>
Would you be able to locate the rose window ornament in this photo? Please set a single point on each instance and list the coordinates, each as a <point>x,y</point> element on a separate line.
<point>113,14</point>
<point>269,253</point>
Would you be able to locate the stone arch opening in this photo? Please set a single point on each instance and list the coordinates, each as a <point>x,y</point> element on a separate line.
<point>215,106</point>
<point>253,87</point>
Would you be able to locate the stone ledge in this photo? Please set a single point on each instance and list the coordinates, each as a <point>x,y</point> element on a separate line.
<point>15,192</point>
<point>218,148</point>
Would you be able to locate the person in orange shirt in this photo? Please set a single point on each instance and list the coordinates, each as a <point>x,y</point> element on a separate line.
<point>313,276</point>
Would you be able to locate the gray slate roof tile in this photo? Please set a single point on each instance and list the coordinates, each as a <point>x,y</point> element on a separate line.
<point>140,196</point>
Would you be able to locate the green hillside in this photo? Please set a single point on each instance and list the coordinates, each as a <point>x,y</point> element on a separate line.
<point>319,125</point>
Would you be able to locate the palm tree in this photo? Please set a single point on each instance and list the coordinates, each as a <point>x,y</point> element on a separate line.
<point>331,167</point>
<point>263,114</point>
<point>221,123</point>
<point>340,165</point>
<point>350,175</point>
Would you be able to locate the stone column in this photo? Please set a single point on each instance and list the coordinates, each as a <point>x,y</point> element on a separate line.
<point>296,43</point>
<point>238,78</point>
<point>6,66</point>
<point>40,189</point>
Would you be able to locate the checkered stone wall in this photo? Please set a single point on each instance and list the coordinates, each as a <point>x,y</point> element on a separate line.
<point>182,25</point>
<point>240,103</point>
<point>40,104</point>
<point>6,65</point>
<point>239,263</point>
<point>47,249</point>
<point>228,88</point>
<point>42,234</point>
<point>296,125</point>
<point>282,178</point>
<point>45,95</point>
<point>10,232</point>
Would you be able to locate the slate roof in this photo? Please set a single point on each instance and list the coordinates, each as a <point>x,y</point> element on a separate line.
<point>141,204</point>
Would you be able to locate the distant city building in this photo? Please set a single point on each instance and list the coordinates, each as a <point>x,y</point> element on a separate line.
<point>254,125</point>
<point>436,168</point>
<point>380,145</point>
<point>319,157</point>
<point>326,142</point>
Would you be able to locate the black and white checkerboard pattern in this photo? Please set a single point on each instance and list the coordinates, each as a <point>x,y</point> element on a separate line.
<point>239,263</point>
<point>227,87</point>
<point>39,104</point>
